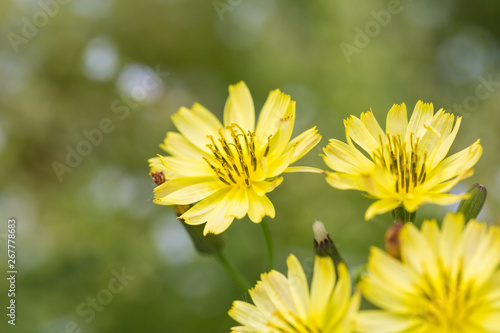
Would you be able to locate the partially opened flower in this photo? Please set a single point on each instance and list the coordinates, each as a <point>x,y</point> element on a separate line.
<point>406,166</point>
<point>448,280</point>
<point>227,169</point>
<point>285,304</point>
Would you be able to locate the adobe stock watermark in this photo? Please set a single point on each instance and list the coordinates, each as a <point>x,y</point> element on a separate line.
<point>31,25</point>
<point>372,29</point>
<point>222,6</point>
<point>483,91</point>
<point>88,308</point>
<point>120,107</point>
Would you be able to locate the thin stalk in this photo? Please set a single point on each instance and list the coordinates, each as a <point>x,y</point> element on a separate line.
<point>269,243</point>
<point>234,272</point>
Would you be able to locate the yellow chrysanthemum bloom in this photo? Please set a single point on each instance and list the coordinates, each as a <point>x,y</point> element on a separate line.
<point>406,166</point>
<point>286,305</point>
<point>448,281</point>
<point>229,168</point>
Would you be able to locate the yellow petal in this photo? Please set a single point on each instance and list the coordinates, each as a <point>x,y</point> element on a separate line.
<point>485,259</point>
<point>397,120</point>
<point>264,187</point>
<point>221,218</point>
<point>392,271</point>
<point>489,322</point>
<point>278,290</point>
<point>304,169</point>
<point>377,321</point>
<point>177,145</point>
<point>248,315</point>
<point>186,166</point>
<point>303,143</point>
<point>343,181</point>
<point>437,132</point>
<point>282,136</point>
<point>381,207</point>
<point>445,186</point>
<point>339,301</point>
<point>455,164</point>
<point>239,203</point>
<point>261,298</point>
<point>218,223</point>
<point>431,232</point>
<point>451,243</point>
<point>355,128</point>
<point>417,253</point>
<point>156,165</point>
<point>259,206</point>
<point>200,212</point>
<point>321,285</point>
<point>274,108</point>
<point>380,183</point>
<point>278,166</point>
<point>196,124</point>
<point>420,119</point>
<point>443,199</point>
<point>186,190</point>
<point>445,146</point>
<point>342,157</point>
<point>239,107</point>
<point>373,126</point>
<point>298,286</point>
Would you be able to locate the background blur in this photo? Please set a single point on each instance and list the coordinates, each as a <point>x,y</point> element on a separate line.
<point>72,68</point>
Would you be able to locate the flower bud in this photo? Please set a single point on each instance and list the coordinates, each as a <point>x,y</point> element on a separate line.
<point>471,207</point>
<point>392,244</point>
<point>323,244</point>
<point>210,244</point>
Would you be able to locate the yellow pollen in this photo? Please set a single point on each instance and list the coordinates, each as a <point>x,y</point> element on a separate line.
<point>449,305</point>
<point>234,158</point>
<point>404,160</point>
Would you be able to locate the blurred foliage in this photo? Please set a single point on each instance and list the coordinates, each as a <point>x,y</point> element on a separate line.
<point>82,65</point>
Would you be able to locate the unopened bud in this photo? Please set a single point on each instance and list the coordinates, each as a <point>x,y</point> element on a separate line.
<point>392,243</point>
<point>210,244</point>
<point>323,244</point>
<point>471,207</point>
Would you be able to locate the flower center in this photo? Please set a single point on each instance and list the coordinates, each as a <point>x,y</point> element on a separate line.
<point>449,306</point>
<point>403,160</point>
<point>235,159</point>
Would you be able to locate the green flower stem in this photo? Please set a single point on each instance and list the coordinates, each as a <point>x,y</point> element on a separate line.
<point>234,272</point>
<point>269,242</point>
<point>401,214</point>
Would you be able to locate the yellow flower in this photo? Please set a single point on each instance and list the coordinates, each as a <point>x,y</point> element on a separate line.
<point>406,165</point>
<point>229,168</point>
<point>448,281</point>
<point>286,305</point>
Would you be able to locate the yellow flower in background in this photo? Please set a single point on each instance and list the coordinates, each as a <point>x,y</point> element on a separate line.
<point>227,169</point>
<point>448,281</point>
<point>406,164</point>
<point>285,304</point>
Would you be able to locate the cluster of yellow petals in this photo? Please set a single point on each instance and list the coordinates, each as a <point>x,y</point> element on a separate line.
<point>406,164</point>
<point>226,169</point>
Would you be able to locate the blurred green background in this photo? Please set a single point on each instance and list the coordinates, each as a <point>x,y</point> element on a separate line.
<point>66,66</point>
